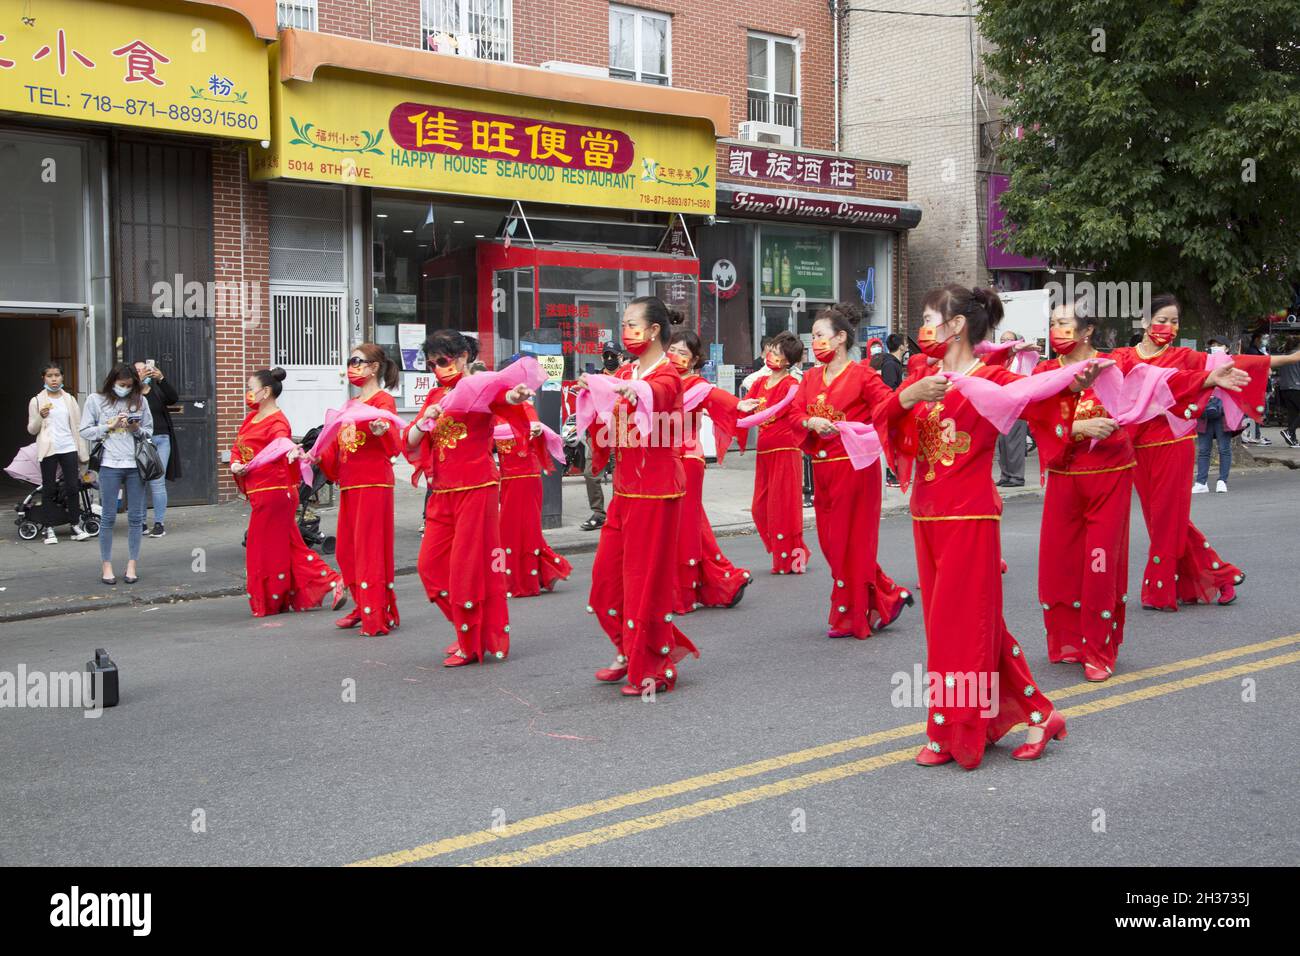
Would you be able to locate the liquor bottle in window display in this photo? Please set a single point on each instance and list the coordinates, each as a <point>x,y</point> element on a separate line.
<point>787,283</point>
<point>767,272</point>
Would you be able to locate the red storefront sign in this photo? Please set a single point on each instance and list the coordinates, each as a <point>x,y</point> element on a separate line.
<point>802,169</point>
<point>426,128</point>
<point>785,206</point>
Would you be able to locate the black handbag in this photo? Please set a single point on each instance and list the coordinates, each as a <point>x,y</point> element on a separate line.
<point>147,460</point>
<point>96,456</point>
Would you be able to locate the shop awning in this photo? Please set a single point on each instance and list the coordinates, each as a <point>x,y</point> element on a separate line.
<point>782,205</point>
<point>349,111</point>
<point>260,14</point>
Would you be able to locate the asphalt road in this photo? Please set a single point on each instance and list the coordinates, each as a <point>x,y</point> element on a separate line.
<point>531,760</point>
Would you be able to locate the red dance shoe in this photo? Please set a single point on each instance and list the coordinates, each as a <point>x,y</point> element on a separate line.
<point>928,757</point>
<point>1054,729</point>
<point>349,620</point>
<point>1227,594</point>
<point>741,593</point>
<point>1095,674</point>
<point>610,675</point>
<point>631,690</point>
<point>339,593</point>
<point>455,660</point>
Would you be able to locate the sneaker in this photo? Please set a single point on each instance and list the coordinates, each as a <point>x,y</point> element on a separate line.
<point>1200,488</point>
<point>158,530</point>
<point>79,533</point>
<point>1221,487</point>
<point>1264,441</point>
<point>50,536</point>
<point>1290,438</point>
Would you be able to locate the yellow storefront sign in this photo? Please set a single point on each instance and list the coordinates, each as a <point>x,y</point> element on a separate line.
<point>373,130</point>
<point>171,66</point>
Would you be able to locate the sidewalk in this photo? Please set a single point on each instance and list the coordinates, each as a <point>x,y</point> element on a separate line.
<point>202,554</point>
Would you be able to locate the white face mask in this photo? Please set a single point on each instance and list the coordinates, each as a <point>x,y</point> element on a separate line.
<point>121,391</point>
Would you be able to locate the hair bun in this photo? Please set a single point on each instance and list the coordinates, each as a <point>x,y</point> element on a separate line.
<point>992,303</point>
<point>676,317</point>
<point>279,374</point>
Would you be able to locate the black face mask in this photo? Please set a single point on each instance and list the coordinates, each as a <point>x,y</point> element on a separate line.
<point>611,363</point>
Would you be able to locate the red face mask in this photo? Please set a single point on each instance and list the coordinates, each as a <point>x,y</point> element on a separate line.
<point>681,362</point>
<point>930,345</point>
<point>250,400</point>
<point>772,362</point>
<point>1161,333</point>
<point>1063,341</point>
<point>357,378</point>
<point>447,377</point>
<point>634,341</point>
<point>823,351</point>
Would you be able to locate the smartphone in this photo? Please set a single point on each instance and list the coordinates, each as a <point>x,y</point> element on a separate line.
<point>148,363</point>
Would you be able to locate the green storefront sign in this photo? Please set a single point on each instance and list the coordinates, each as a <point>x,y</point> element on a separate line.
<point>794,261</point>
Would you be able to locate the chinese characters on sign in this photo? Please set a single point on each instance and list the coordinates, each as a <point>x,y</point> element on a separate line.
<point>802,169</point>
<point>437,129</point>
<point>582,338</point>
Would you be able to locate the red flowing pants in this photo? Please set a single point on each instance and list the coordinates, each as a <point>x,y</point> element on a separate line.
<point>980,675</point>
<point>1083,565</point>
<point>778,508</point>
<point>365,554</point>
<point>847,503</point>
<point>1181,565</point>
<point>531,565</point>
<point>462,570</point>
<point>705,577</point>
<point>283,573</point>
<point>632,587</point>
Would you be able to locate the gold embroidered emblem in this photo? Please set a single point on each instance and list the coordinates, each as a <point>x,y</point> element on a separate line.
<point>244,453</point>
<point>940,442</point>
<point>350,439</point>
<point>446,433</point>
<point>762,404</point>
<point>505,447</point>
<point>822,409</point>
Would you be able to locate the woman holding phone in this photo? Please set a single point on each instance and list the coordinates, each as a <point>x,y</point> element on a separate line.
<point>118,416</point>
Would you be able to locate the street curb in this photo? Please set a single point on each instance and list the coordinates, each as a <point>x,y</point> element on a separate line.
<point>79,606</point>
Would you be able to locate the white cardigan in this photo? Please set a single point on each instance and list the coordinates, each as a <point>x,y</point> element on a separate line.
<point>36,425</point>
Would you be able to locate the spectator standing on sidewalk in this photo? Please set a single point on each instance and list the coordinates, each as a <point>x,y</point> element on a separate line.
<point>1013,446</point>
<point>892,371</point>
<point>1209,429</point>
<point>612,360</point>
<point>54,418</point>
<point>1288,392</point>
<point>160,393</point>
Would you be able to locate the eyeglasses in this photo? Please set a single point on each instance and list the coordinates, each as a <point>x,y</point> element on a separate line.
<point>441,361</point>
<point>357,360</point>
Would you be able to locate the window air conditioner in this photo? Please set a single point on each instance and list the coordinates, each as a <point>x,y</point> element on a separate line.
<point>767,133</point>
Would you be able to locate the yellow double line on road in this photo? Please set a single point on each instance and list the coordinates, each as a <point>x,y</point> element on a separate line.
<point>803,781</point>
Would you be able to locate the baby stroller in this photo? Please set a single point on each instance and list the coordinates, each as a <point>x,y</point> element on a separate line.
<point>31,510</point>
<point>308,520</point>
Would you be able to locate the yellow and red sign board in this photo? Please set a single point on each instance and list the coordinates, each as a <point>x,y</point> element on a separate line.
<point>170,66</point>
<point>371,130</point>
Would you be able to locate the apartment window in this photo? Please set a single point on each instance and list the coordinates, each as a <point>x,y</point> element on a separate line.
<point>300,14</point>
<point>774,81</point>
<point>476,28</point>
<point>640,45</point>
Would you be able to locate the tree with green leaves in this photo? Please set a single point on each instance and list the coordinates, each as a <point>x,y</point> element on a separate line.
<point>1160,141</point>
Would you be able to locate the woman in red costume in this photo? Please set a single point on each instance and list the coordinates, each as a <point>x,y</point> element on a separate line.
<point>1181,565</point>
<point>1083,553</point>
<point>462,531</point>
<point>987,687</point>
<point>778,472</point>
<point>531,565</point>
<point>359,461</point>
<point>846,500</point>
<point>283,573</point>
<point>634,575</point>
<point>705,577</point>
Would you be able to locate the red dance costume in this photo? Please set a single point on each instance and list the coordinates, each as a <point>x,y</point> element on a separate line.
<point>955,516</point>
<point>778,479</point>
<point>847,501</point>
<point>705,577</point>
<point>633,578</point>
<point>1181,565</point>
<point>458,563</point>
<point>283,573</point>
<point>531,565</point>
<point>1083,544</point>
<point>360,463</point>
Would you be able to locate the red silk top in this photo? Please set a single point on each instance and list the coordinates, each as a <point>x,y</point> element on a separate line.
<point>457,454</point>
<point>854,395</point>
<point>721,408</point>
<point>1189,390</point>
<point>528,457</point>
<point>359,458</point>
<point>952,446</point>
<point>780,431</point>
<point>645,466</point>
<point>251,438</point>
<point>1075,454</point>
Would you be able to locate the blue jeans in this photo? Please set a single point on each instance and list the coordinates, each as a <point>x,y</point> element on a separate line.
<point>158,487</point>
<point>1213,430</point>
<point>110,481</point>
